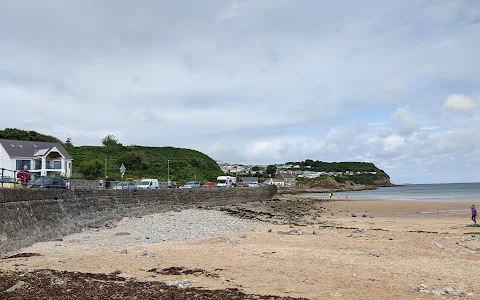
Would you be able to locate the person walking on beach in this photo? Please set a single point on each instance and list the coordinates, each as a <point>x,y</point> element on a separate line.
<point>474,215</point>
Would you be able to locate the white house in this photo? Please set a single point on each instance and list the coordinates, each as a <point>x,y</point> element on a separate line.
<point>275,181</point>
<point>42,158</point>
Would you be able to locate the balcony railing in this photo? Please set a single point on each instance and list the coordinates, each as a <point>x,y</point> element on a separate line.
<point>49,166</point>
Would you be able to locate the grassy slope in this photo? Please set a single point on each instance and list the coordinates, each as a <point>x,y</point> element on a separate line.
<point>152,162</point>
<point>378,179</point>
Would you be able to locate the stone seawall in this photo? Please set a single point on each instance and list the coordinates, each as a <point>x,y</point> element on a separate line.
<point>30,216</point>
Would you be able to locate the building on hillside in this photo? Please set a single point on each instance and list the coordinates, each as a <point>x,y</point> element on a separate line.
<point>274,181</point>
<point>250,180</point>
<point>42,158</point>
<point>288,178</point>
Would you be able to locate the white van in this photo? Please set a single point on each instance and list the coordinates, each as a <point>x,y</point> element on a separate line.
<point>226,181</point>
<point>148,184</point>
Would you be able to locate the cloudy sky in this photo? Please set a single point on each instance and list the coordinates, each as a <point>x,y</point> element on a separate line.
<point>254,81</point>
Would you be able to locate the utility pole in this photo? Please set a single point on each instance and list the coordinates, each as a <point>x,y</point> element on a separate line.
<point>168,169</point>
<point>105,166</point>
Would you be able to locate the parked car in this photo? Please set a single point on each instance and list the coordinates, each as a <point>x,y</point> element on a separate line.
<point>209,185</point>
<point>148,184</point>
<point>191,185</point>
<point>242,185</point>
<point>49,183</point>
<point>125,186</point>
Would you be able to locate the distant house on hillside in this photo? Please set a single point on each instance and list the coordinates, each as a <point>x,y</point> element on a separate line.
<point>250,180</point>
<point>288,178</point>
<point>274,181</point>
<point>42,158</point>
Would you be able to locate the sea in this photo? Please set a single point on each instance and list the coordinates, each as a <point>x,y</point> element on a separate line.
<point>416,192</point>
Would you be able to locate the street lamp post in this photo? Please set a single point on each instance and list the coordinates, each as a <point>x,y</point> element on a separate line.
<point>168,169</point>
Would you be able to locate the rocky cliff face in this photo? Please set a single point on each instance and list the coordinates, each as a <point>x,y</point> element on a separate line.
<point>383,181</point>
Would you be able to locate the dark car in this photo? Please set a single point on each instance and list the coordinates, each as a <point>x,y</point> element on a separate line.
<point>49,183</point>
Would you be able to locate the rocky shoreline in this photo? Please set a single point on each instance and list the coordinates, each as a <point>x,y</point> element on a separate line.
<point>328,189</point>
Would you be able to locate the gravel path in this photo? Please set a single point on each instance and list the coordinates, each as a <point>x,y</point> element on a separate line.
<point>166,227</point>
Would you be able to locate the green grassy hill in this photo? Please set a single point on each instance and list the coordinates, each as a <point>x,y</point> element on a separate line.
<point>26,135</point>
<point>140,162</point>
<point>343,172</point>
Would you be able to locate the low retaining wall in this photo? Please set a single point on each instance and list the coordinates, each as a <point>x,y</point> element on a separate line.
<point>30,216</point>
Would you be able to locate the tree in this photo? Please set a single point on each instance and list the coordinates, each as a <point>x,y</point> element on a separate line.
<point>256,168</point>
<point>110,140</point>
<point>68,142</point>
<point>133,161</point>
<point>91,169</point>
<point>271,170</point>
<point>23,135</point>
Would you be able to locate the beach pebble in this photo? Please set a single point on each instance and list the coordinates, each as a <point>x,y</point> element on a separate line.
<point>179,283</point>
<point>121,233</point>
<point>436,244</point>
<point>449,291</point>
<point>413,289</point>
<point>459,293</point>
<point>15,287</point>
<point>424,286</point>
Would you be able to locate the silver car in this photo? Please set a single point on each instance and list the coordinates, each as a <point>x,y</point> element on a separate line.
<point>191,185</point>
<point>125,186</point>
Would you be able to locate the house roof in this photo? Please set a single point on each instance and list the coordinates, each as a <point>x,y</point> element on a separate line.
<point>273,180</point>
<point>250,179</point>
<point>16,148</point>
<point>41,152</point>
<point>286,175</point>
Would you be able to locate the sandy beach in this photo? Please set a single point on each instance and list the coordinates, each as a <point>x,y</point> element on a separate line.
<point>310,248</point>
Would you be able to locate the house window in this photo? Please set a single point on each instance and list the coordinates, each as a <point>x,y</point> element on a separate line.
<point>57,164</point>
<point>21,163</point>
<point>38,165</point>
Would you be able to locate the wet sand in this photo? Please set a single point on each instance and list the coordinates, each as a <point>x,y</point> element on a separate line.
<point>355,249</point>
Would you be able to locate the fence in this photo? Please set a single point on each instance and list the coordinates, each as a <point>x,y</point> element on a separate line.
<point>8,179</point>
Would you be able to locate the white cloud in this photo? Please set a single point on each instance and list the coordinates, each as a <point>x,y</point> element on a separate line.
<point>393,143</point>
<point>404,121</point>
<point>460,103</point>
